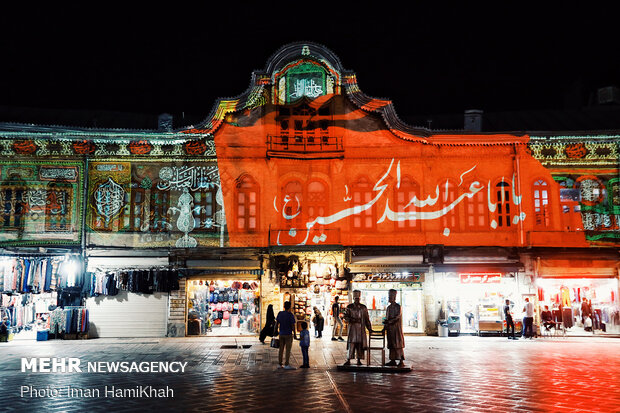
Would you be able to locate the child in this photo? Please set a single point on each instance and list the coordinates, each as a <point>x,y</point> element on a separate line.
<point>304,343</point>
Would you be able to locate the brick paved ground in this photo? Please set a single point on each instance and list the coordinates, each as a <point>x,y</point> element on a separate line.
<point>449,374</point>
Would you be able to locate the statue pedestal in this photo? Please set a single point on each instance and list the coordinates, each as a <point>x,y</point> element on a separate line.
<point>374,369</point>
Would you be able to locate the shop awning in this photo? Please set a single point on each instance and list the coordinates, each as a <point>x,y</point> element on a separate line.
<point>385,264</point>
<point>480,267</point>
<point>125,262</point>
<point>577,268</point>
<point>244,265</point>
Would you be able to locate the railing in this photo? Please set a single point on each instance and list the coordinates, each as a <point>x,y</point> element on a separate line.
<point>306,146</point>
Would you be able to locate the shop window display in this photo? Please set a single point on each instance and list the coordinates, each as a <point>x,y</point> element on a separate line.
<point>409,296</point>
<point>474,302</point>
<point>582,305</point>
<point>223,307</point>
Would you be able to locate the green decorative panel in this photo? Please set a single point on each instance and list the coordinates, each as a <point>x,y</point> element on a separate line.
<point>40,202</point>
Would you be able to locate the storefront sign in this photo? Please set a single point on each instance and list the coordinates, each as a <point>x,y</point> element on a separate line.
<point>391,276</point>
<point>480,278</point>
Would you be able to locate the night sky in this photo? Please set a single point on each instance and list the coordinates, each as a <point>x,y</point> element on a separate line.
<point>427,60</point>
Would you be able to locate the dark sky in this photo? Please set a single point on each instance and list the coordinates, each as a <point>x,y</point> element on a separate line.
<point>443,59</point>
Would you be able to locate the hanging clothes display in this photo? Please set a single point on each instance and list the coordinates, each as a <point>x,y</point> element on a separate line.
<point>144,281</point>
<point>37,274</point>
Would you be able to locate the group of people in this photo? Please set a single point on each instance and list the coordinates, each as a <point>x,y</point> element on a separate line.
<point>528,320</point>
<point>356,315</point>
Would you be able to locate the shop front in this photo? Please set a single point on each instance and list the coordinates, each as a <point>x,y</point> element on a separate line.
<point>472,302</point>
<point>37,291</point>
<point>311,281</point>
<point>582,294</point>
<point>375,276</point>
<point>223,297</point>
<point>128,295</point>
<point>223,304</point>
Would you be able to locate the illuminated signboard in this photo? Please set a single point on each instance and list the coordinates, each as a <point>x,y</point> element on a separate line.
<point>480,278</point>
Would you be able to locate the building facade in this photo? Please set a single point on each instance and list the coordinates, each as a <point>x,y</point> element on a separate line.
<point>303,188</point>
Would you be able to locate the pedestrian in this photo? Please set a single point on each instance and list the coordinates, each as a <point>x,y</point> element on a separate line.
<point>337,321</point>
<point>304,343</point>
<point>547,318</point>
<point>394,331</point>
<point>585,310</point>
<point>356,315</point>
<point>509,323</point>
<point>528,320</point>
<point>285,324</point>
<point>270,324</point>
<point>318,322</point>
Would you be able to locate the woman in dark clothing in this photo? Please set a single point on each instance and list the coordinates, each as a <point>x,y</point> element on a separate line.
<point>269,325</point>
<point>318,321</point>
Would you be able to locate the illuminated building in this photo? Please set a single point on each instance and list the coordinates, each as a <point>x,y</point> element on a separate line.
<point>304,188</point>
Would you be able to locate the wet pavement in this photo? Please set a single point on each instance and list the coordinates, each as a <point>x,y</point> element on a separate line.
<point>457,374</point>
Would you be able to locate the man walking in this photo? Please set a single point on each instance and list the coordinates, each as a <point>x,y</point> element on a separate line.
<point>528,320</point>
<point>285,324</point>
<point>337,321</point>
<point>509,323</point>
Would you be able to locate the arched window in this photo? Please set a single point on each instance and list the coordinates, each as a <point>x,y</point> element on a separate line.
<point>502,204</point>
<point>362,194</point>
<point>477,212</point>
<point>317,200</point>
<point>402,196</point>
<point>246,204</point>
<point>540,192</point>
<point>447,195</point>
<point>295,208</point>
<point>58,207</point>
<point>205,218</point>
<point>571,210</point>
<point>160,203</point>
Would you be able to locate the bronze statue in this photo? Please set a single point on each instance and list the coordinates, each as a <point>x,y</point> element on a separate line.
<point>394,331</point>
<point>356,314</point>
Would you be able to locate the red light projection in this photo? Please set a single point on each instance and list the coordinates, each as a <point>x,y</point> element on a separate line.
<point>378,185</point>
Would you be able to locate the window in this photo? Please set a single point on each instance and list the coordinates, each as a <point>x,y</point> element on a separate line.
<point>317,201</point>
<point>447,194</point>
<point>362,193</point>
<point>571,210</point>
<point>160,203</point>
<point>294,207</point>
<point>402,196</point>
<point>541,204</point>
<point>58,207</point>
<point>502,190</point>
<point>204,219</point>
<point>246,201</point>
<point>13,203</point>
<point>477,218</point>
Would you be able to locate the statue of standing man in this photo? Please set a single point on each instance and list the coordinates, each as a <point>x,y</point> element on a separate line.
<point>356,314</point>
<point>394,331</point>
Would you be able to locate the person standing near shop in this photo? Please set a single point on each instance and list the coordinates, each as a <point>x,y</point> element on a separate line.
<point>285,324</point>
<point>304,343</point>
<point>394,331</point>
<point>528,320</point>
<point>337,321</point>
<point>318,323</point>
<point>270,323</point>
<point>509,323</point>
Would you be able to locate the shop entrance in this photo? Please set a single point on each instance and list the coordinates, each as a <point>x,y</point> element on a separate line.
<point>223,307</point>
<point>572,301</point>
<point>408,295</point>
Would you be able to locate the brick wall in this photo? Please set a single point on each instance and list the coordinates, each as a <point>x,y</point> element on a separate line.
<point>176,311</point>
